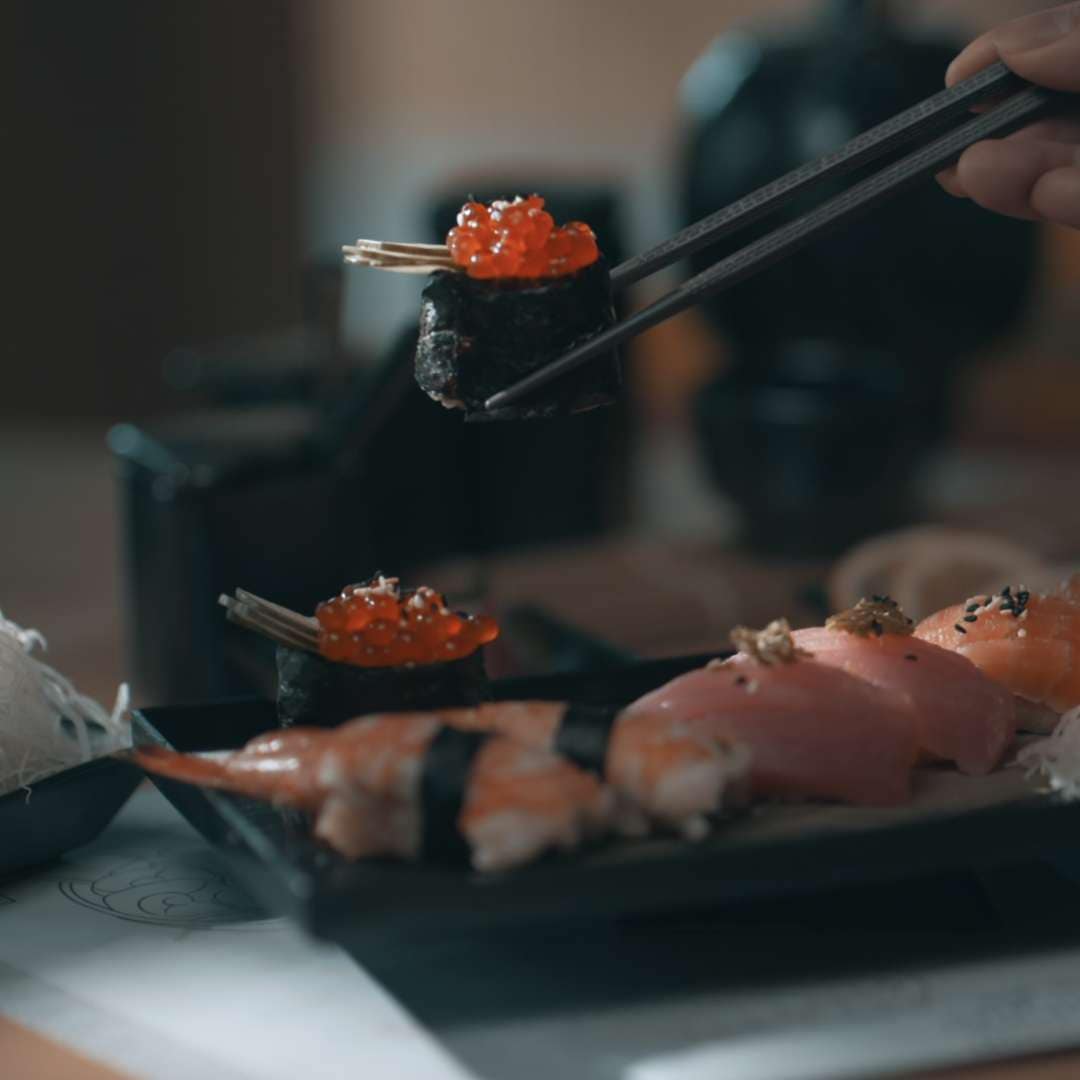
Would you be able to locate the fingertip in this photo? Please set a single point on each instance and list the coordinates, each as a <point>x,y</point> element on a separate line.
<point>981,53</point>
<point>950,183</point>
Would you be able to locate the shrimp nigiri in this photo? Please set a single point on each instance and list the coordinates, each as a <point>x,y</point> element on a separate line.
<point>959,714</point>
<point>1029,643</point>
<point>366,785</point>
<point>661,772</point>
<point>813,731</point>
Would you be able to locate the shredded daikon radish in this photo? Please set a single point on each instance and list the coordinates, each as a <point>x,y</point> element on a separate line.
<point>46,725</point>
<point>1057,757</point>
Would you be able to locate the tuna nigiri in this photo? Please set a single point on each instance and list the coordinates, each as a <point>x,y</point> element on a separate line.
<point>1029,643</point>
<point>813,731</point>
<point>959,714</point>
<point>402,784</point>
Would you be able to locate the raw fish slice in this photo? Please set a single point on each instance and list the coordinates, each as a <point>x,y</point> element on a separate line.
<point>812,731</point>
<point>1038,670</point>
<point>1031,645</point>
<point>1069,589</point>
<point>960,714</point>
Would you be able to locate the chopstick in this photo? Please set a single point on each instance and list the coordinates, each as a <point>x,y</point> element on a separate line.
<point>271,620</point>
<point>1016,112</point>
<point>903,128</point>
<point>402,258</point>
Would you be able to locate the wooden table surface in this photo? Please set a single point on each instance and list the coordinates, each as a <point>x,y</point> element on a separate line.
<point>59,571</point>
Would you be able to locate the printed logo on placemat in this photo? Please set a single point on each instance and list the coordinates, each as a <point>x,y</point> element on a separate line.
<point>178,889</point>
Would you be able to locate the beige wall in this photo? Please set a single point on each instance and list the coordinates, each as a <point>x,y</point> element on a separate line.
<point>404,93</point>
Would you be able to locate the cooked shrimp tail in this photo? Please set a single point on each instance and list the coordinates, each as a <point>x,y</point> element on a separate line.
<point>187,768</point>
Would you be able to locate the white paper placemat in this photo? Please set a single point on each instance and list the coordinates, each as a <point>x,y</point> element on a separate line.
<point>139,952</point>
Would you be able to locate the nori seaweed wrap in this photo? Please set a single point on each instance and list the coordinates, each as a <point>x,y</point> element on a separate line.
<point>478,336</point>
<point>324,693</point>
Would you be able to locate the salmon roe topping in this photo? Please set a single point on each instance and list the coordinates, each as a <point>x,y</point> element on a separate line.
<point>518,239</point>
<point>378,625</point>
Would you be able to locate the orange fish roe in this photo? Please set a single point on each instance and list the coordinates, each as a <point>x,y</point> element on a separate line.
<point>519,240</point>
<point>378,625</point>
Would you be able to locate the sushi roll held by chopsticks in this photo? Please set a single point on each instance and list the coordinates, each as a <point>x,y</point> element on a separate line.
<point>509,292</point>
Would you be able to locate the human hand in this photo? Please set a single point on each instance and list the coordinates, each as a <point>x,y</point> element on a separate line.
<point>1035,173</point>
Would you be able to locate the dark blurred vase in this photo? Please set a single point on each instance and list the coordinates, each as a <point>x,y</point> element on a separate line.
<point>818,449</point>
<point>819,446</point>
<point>928,275</point>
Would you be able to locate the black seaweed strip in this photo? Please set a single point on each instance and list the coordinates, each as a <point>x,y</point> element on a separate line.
<point>584,734</point>
<point>447,765</point>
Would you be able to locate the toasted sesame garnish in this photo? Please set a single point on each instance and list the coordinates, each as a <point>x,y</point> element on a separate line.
<point>717,662</point>
<point>772,645</point>
<point>1013,601</point>
<point>877,615</point>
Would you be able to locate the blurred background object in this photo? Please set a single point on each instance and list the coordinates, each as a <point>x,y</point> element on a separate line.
<point>183,175</point>
<point>843,356</point>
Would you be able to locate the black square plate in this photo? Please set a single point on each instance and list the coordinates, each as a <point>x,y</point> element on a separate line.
<point>954,823</point>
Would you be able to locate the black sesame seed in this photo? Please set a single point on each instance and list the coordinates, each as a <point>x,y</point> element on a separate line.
<point>960,628</point>
<point>972,607</point>
<point>910,656</point>
<point>970,618</point>
<point>1008,607</point>
<point>741,680</point>
<point>1007,590</point>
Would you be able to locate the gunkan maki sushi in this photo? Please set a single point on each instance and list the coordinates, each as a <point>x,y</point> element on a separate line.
<point>519,293</point>
<point>373,648</point>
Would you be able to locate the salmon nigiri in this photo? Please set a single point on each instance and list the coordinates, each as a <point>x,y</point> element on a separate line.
<point>1029,643</point>
<point>959,714</point>
<point>813,731</point>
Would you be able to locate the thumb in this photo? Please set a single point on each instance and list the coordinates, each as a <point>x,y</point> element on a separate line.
<point>1043,48</point>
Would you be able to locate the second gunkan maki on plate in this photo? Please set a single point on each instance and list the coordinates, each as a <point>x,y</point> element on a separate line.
<point>373,648</point>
